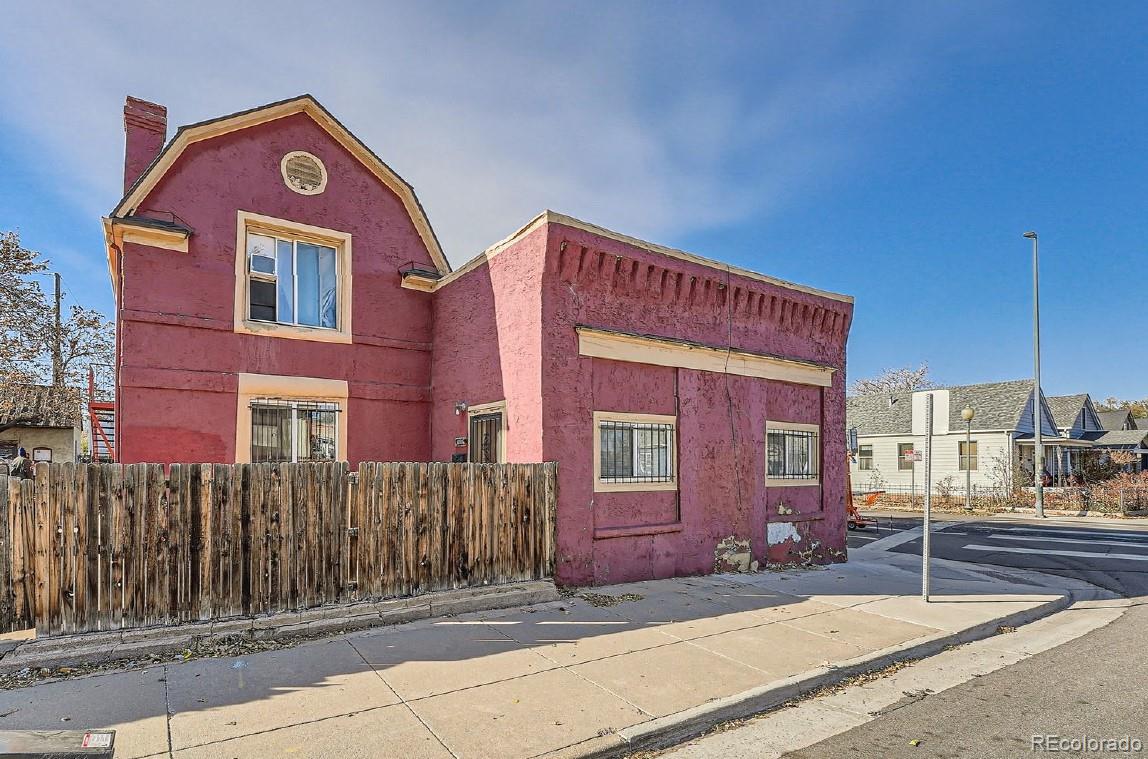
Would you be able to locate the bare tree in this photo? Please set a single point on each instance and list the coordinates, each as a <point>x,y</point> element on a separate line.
<point>28,330</point>
<point>1138,409</point>
<point>894,380</point>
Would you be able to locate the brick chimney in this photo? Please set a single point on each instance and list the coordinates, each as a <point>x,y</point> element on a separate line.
<point>145,130</point>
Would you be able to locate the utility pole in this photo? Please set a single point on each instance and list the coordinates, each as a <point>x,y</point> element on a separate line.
<point>1037,415</point>
<point>57,349</point>
<point>927,526</point>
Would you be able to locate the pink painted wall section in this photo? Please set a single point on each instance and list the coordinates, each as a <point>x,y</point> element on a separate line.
<point>176,309</point>
<point>722,498</point>
<point>488,349</point>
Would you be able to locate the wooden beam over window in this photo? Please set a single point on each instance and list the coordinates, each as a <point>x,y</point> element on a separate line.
<point>668,351</point>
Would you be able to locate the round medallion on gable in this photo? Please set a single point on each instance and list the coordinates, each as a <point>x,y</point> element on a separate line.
<point>304,173</point>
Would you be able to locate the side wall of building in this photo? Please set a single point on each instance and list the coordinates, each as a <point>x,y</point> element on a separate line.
<point>180,352</point>
<point>722,513</point>
<point>487,349</point>
<point>993,460</point>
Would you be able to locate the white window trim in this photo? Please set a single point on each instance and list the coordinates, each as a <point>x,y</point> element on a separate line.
<point>497,407</point>
<point>340,241</point>
<point>634,487</point>
<point>815,454</point>
<point>976,457</point>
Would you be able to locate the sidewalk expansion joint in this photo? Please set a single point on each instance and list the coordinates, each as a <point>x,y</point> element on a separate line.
<point>403,700</point>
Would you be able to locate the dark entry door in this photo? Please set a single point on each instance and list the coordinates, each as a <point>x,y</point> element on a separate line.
<point>485,438</point>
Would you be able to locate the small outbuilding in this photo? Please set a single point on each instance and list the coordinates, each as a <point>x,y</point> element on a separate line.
<point>46,421</point>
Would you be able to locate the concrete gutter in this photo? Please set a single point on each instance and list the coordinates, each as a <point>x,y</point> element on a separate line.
<point>108,647</point>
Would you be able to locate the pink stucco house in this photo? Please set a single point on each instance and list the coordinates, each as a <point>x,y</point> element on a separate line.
<point>281,295</point>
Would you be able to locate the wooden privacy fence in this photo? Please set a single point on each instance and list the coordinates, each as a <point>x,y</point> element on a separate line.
<point>107,546</point>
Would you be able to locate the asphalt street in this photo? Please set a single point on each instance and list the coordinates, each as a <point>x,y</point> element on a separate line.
<point>1094,686</point>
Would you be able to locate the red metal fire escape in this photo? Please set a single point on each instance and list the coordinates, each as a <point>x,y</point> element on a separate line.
<point>102,422</point>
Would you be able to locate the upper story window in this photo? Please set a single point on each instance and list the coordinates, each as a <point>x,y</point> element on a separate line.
<point>292,281</point>
<point>792,453</point>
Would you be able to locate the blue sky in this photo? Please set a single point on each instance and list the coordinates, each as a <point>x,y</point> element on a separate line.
<point>893,151</point>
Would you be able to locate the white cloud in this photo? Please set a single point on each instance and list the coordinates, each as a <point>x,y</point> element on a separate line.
<point>656,120</point>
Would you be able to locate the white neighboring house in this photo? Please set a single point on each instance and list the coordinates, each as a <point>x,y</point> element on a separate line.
<point>888,425</point>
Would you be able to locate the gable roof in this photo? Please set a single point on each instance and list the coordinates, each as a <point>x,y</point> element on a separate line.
<point>206,130</point>
<point>41,406</point>
<point>1115,420</point>
<point>1066,408</point>
<point>998,406</point>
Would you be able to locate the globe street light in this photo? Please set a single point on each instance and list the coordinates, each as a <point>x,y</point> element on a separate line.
<point>967,414</point>
<point>1038,442</point>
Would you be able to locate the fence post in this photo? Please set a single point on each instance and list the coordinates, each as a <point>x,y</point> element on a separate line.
<point>5,556</point>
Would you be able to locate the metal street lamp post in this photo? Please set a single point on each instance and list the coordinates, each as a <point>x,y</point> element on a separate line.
<point>967,414</point>
<point>1038,442</point>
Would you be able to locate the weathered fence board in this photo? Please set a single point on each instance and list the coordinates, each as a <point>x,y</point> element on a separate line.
<point>87,547</point>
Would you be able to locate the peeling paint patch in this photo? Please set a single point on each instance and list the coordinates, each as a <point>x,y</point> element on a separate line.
<point>779,532</point>
<point>733,555</point>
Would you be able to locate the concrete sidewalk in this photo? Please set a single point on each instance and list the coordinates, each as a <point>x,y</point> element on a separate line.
<point>607,671</point>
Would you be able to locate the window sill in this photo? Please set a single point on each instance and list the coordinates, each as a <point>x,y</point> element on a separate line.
<point>271,329</point>
<point>634,487</point>
<point>605,533</point>
<point>771,483</point>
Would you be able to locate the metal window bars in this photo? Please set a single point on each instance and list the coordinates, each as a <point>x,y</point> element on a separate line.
<point>485,433</point>
<point>792,454</point>
<point>635,452</point>
<point>284,430</point>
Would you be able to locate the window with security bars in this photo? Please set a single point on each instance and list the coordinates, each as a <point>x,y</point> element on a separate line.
<point>968,456</point>
<point>792,454</point>
<point>485,439</point>
<point>292,281</point>
<point>292,431</point>
<point>635,452</point>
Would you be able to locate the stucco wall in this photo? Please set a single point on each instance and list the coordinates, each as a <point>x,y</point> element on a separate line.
<point>488,349</point>
<point>722,495</point>
<point>179,353</point>
<point>63,442</point>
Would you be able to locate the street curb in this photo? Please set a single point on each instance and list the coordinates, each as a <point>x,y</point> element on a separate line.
<point>112,646</point>
<point>673,729</point>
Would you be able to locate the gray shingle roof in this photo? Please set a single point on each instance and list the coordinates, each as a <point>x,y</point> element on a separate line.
<point>998,406</point>
<point>880,414</point>
<point>1065,408</point>
<point>1115,438</point>
<point>41,406</point>
<point>1114,420</point>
